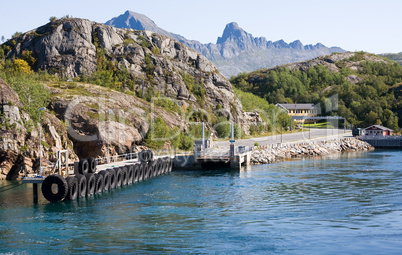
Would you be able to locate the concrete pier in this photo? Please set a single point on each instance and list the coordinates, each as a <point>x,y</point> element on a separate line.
<point>235,158</point>
<point>386,142</point>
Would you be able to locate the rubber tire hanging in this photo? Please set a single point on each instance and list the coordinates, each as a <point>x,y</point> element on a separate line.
<point>72,184</point>
<point>90,184</point>
<point>62,188</point>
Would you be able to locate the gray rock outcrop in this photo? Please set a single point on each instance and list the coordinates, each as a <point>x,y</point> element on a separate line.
<point>251,119</point>
<point>72,48</point>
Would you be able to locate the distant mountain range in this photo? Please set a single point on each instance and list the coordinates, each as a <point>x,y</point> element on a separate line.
<point>236,51</point>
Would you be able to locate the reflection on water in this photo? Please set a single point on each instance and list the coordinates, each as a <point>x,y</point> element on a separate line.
<point>308,205</point>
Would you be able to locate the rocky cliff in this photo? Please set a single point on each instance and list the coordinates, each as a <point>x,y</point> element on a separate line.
<point>19,137</point>
<point>75,48</point>
<point>85,118</point>
<point>236,51</point>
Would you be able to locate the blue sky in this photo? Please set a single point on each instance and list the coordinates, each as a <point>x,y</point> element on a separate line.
<point>354,25</point>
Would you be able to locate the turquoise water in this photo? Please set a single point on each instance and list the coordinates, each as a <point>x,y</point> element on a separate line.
<point>344,204</point>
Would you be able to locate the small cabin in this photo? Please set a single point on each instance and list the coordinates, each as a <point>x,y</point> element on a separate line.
<point>377,130</point>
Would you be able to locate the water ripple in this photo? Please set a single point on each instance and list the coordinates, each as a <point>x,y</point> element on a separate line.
<point>306,206</point>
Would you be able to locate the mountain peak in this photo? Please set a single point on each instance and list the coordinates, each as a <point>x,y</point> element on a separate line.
<point>233,32</point>
<point>133,20</point>
<point>138,21</point>
<point>233,26</point>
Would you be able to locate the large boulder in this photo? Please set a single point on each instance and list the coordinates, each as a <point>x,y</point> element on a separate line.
<point>108,118</point>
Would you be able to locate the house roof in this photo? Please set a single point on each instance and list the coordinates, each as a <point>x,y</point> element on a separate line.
<point>378,127</point>
<point>296,106</point>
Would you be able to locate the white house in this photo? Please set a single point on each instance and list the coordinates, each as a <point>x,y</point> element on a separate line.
<point>377,130</point>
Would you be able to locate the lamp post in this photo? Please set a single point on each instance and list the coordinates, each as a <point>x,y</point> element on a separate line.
<point>40,144</point>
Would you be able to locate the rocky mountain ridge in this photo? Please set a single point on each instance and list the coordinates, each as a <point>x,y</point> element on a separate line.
<point>74,48</point>
<point>236,50</point>
<point>82,116</point>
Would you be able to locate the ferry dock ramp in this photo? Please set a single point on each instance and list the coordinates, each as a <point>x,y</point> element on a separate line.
<point>69,181</point>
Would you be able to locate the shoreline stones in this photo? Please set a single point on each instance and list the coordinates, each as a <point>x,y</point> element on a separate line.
<point>275,153</point>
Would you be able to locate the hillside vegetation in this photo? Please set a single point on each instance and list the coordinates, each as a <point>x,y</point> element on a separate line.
<point>397,57</point>
<point>363,88</point>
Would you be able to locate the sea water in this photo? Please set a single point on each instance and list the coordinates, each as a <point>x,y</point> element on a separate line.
<point>347,203</point>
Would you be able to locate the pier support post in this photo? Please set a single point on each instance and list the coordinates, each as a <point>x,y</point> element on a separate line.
<point>235,162</point>
<point>35,193</point>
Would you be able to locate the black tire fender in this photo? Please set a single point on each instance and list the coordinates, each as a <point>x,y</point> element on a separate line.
<point>136,173</point>
<point>123,175</point>
<point>170,164</point>
<point>90,184</point>
<point>72,184</point>
<point>154,167</point>
<point>149,171</point>
<point>118,176</point>
<point>83,166</point>
<point>99,184</point>
<point>112,177</point>
<point>151,155</point>
<point>145,171</point>
<point>130,174</point>
<point>62,188</point>
<point>165,165</point>
<point>82,185</point>
<point>92,165</point>
<point>142,171</point>
<point>106,179</point>
<point>159,166</point>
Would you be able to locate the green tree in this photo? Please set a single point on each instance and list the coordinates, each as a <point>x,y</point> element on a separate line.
<point>372,118</point>
<point>223,127</point>
<point>390,120</point>
<point>149,66</point>
<point>32,94</point>
<point>158,134</point>
<point>186,142</point>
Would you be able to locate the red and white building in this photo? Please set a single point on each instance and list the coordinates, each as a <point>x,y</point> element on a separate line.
<point>377,130</point>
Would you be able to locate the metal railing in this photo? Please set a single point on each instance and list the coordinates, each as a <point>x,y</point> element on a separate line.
<point>116,158</point>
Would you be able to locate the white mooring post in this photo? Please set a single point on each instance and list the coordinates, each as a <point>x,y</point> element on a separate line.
<point>235,161</point>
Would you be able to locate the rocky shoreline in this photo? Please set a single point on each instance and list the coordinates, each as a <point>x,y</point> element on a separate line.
<point>276,153</point>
